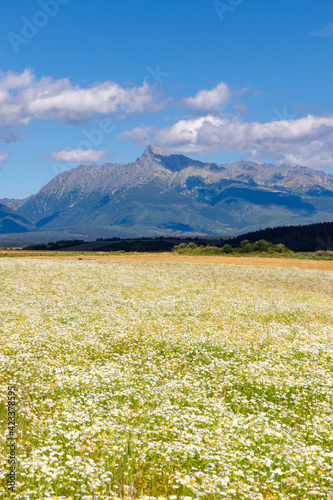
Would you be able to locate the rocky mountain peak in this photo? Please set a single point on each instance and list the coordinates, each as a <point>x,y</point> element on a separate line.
<point>154,155</point>
<point>153,150</point>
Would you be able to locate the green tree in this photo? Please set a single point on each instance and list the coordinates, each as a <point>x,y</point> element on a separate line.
<point>227,249</point>
<point>261,246</point>
<point>248,248</point>
<point>280,248</point>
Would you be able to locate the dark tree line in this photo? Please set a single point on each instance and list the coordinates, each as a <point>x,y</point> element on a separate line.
<point>297,238</point>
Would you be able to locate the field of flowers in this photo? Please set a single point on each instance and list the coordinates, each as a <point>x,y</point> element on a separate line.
<point>167,380</point>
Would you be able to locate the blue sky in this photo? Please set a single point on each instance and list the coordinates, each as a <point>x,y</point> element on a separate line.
<point>94,81</point>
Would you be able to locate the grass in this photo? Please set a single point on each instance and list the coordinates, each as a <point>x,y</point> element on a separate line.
<point>208,251</point>
<point>48,253</point>
<point>326,255</point>
<point>167,380</point>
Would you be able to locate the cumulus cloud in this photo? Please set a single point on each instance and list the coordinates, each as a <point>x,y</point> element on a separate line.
<point>79,155</point>
<point>23,98</point>
<point>325,32</point>
<point>206,101</point>
<point>304,141</point>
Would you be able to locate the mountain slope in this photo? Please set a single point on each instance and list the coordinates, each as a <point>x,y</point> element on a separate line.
<point>12,222</point>
<point>13,203</point>
<point>163,193</point>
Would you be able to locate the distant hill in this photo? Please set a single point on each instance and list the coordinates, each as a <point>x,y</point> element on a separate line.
<point>12,222</point>
<point>170,194</point>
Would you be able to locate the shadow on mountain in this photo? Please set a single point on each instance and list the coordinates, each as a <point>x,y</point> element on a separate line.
<point>256,197</point>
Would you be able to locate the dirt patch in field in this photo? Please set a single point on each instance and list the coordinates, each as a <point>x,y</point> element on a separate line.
<point>167,257</point>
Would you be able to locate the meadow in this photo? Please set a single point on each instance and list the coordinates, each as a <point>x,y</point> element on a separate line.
<point>167,380</point>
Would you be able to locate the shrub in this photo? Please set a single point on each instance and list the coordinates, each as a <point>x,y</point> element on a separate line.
<point>280,248</point>
<point>227,249</point>
<point>261,246</point>
<point>192,245</point>
<point>324,253</point>
<point>213,251</point>
<point>248,248</point>
<point>182,245</point>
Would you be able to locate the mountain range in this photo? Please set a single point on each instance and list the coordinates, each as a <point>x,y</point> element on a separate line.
<point>162,193</point>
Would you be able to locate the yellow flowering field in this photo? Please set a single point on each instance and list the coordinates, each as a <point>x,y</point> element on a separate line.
<point>156,380</point>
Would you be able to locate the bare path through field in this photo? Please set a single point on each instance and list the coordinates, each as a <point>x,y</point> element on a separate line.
<point>167,257</point>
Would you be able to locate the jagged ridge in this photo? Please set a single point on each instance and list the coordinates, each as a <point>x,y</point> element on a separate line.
<point>163,192</point>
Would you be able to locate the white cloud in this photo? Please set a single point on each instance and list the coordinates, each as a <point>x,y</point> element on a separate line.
<point>23,98</point>
<point>207,101</point>
<point>3,157</point>
<point>325,32</point>
<point>304,141</point>
<point>139,135</point>
<point>78,155</point>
